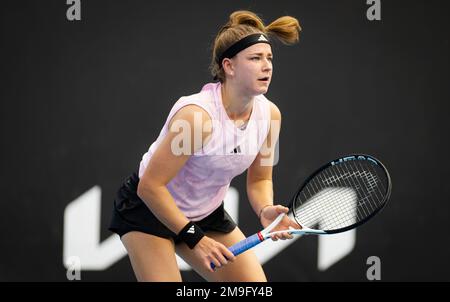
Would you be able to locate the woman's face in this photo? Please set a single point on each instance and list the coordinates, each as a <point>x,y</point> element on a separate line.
<point>253,68</point>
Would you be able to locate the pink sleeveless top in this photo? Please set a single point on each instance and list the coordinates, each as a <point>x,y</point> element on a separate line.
<point>200,186</point>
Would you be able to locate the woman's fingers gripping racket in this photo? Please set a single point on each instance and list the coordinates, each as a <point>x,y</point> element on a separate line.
<point>213,252</point>
<point>269,214</point>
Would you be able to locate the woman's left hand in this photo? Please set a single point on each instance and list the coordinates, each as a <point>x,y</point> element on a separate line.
<point>269,213</point>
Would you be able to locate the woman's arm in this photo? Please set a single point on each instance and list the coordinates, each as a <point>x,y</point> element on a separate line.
<point>259,174</point>
<point>259,179</point>
<point>166,162</point>
<point>164,165</point>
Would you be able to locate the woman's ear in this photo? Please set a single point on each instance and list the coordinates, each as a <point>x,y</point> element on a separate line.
<point>228,67</point>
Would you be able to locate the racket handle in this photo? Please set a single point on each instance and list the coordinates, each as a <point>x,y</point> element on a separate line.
<point>244,245</point>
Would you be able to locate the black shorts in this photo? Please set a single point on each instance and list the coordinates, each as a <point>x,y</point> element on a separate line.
<point>130,213</point>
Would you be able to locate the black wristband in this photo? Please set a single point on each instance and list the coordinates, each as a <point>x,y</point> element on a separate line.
<point>191,234</point>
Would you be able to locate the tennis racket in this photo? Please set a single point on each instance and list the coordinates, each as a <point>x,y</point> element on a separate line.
<point>340,196</point>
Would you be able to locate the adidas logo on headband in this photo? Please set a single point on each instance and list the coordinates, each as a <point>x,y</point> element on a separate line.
<point>262,38</point>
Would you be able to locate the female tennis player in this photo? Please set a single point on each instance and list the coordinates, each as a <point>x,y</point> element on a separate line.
<point>174,203</point>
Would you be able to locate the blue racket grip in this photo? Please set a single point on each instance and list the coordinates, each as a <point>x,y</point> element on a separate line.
<point>244,245</point>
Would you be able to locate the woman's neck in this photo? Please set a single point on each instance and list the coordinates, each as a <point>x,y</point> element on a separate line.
<point>237,105</point>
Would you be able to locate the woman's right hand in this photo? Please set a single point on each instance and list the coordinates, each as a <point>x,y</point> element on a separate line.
<point>213,251</point>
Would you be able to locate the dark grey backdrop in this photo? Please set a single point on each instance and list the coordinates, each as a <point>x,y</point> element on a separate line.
<point>81,101</point>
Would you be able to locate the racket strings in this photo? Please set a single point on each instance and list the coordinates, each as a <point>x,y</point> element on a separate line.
<point>327,220</point>
<point>366,203</point>
<point>356,183</point>
<point>371,189</point>
<point>381,182</point>
<point>342,201</point>
<point>315,211</point>
<point>341,195</point>
<point>374,186</point>
<point>318,208</point>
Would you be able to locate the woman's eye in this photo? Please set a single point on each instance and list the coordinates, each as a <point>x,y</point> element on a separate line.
<point>255,58</point>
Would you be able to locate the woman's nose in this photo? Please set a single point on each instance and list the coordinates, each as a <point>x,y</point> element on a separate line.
<point>267,65</point>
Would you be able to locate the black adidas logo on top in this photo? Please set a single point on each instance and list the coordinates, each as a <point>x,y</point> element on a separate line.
<point>236,150</point>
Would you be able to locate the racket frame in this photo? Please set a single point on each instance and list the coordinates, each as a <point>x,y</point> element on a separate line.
<point>335,162</point>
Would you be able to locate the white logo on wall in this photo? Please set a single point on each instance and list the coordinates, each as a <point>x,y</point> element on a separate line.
<point>374,270</point>
<point>73,268</point>
<point>74,11</point>
<point>374,12</point>
<point>82,237</point>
